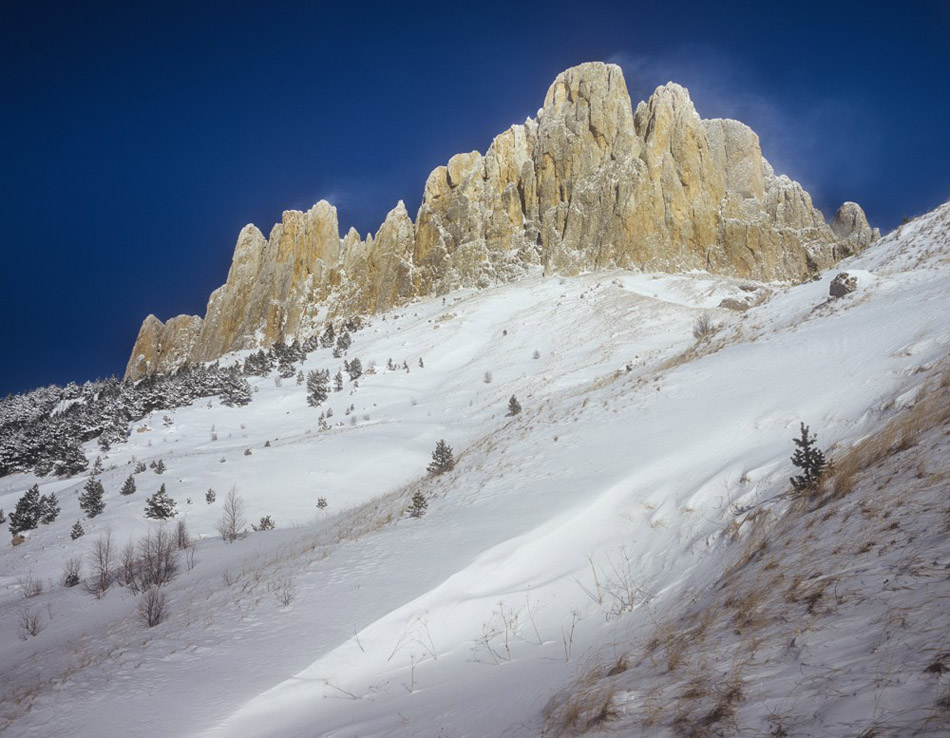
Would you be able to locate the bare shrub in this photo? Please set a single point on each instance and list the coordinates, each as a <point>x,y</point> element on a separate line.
<point>232,524</point>
<point>285,591</point>
<point>567,634</point>
<point>182,539</point>
<point>158,558</point>
<point>128,567</point>
<point>31,623</point>
<point>190,555</point>
<point>704,327</point>
<point>102,560</point>
<point>151,607</point>
<point>499,633</point>
<point>614,587</point>
<point>72,571</point>
<point>30,586</point>
<point>153,562</point>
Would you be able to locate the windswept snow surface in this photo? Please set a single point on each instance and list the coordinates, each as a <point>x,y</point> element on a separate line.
<point>636,448</point>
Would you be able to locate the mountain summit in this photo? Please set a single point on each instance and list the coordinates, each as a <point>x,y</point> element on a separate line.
<point>589,184</point>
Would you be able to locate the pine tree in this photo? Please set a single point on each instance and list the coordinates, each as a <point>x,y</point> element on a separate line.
<point>311,344</point>
<point>77,530</point>
<point>318,387</point>
<point>49,508</point>
<point>128,486</point>
<point>210,496</point>
<point>355,369</point>
<point>419,505</point>
<point>442,459</point>
<point>328,337</point>
<point>810,460</point>
<point>26,516</point>
<point>343,342</point>
<point>286,368</point>
<point>96,467</point>
<point>3,517</point>
<point>90,501</point>
<point>236,391</point>
<point>514,407</point>
<point>338,381</point>
<point>160,506</point>
<point>160,467</point>
<point>71,459</point>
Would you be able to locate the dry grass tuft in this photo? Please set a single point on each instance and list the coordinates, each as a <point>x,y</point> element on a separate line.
<point>931,410</point>
<point>588,706</point>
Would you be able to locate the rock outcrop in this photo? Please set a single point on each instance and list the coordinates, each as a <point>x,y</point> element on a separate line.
<point>590,184</point>
<point>161,348</point>
<point>843,284</point>
<point>851,228</point>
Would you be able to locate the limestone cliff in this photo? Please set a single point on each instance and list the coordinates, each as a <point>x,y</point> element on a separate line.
<point>590,184</point>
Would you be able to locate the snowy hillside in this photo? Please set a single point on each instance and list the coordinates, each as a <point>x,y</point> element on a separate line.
<point>621,556</point>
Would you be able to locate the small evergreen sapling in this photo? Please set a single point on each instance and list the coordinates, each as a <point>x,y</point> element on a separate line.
<point>77,531</point>
<point>514,407</point>
<point>419,505</point>
<point>442,459</point>
<point>159,467</point>
<point>210,496</point>
<point>128,486</point>
<point>160,506</point>
<point>90,501</point>
<point>266,524</point>
<point>810,460</point>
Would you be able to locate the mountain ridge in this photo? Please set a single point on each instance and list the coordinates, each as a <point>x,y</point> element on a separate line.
<point>591,183</point>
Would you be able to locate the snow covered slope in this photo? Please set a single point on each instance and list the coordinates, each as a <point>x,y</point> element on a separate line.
<point>565,538</point>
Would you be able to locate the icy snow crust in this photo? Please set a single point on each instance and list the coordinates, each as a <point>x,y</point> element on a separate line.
<point>636,449</point>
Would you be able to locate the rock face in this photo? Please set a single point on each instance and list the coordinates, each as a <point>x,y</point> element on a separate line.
<point>590,184</point>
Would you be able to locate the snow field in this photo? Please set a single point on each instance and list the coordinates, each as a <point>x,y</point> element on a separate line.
<point>562,532</point>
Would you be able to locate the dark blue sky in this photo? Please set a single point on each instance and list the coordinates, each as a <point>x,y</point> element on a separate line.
<point>136,139</point>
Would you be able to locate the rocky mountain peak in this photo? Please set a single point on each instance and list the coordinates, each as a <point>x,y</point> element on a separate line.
<point>590,184</point>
